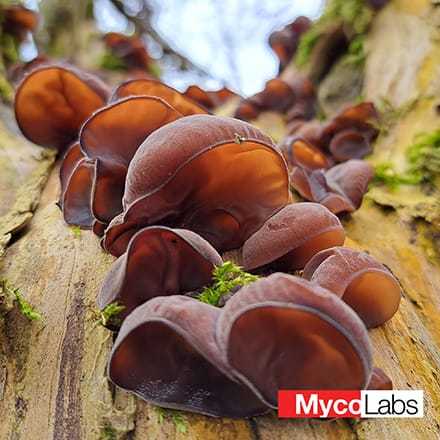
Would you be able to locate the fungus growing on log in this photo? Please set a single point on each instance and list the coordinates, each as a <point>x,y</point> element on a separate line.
<point>209,99</point>
<point>346,136</point>
<point>219,177</point>
<point>108,140</point>
<point>159,261</point>
<point>341,188</point>
<point>379,380</point>
<point>288,239</point>
<point>151,87</point>
<point>362,282</point>
<point>284,332</point>
<point>298,152</point>
<point>285,41</point>
<point>166,353</point>
<point>52,102</point>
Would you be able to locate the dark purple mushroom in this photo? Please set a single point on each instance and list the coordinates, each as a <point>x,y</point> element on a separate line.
<point>284,332</point>
<point>341,188</point>
<point>219,177</point>
<point>166,353</point>
<point>108,141</point>
<point>159,261</point>
<point>362,282</point>
<point>53,101</point>
<point>289,238</point>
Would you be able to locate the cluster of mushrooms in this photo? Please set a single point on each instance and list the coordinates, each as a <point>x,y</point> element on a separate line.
<point>169,187</point>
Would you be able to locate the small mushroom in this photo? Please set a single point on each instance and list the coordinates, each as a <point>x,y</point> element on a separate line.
<point>18,20</point>
<point>166,353</point>
<point>159,261</point>
<point>379,380</point>
<point>284,332</point>
<point>216,176</point>
<point>209,99</point>
<point>362,282</point>
<point>298,152</point>
<point>340,189</point>
<point>285,41</point>
<point>289,238</point>
<point>130,49</point>
<point>52,102</point>
<point>184,105</point>
<point>346,136</point>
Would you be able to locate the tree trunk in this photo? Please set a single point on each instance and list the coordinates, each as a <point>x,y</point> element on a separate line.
<point>52,373</point>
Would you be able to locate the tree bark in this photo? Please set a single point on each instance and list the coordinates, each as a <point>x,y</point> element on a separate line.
<point>52,373</point>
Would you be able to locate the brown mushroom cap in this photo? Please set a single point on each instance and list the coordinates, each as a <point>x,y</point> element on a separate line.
<point>111,137</point>
<point>379,380</point>
<point>159,261</point>
<point>219,177</point>
<point>151,87</point>
<point>283,332</point>
<point>18,20</point>
<point>349,144</point>
<point>166,354</point>
<point>289,238</point>
<point>298,152</point>
<point>362,282</point>
<point>341,188</point>
<point>209,99</point>
<point>52,102</point>
<point>76,198</point>
<point>70,160</point>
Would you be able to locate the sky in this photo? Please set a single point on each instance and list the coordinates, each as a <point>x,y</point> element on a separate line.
<point>227,38</point>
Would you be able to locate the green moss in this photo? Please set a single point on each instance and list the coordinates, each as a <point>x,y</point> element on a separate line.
<point>110,315</point>
<point>13,294</point>
<point>354,14</point>
<point>385,173</point>
<point>108,433</point>
<point>225,278</point>
<point>424,155</point>
<point>111,62</point>
<point>76,231</point>
<point>356,53</point>
<point>175,416</point>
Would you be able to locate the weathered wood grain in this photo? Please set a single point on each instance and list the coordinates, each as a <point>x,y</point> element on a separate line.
<point>52,373</point>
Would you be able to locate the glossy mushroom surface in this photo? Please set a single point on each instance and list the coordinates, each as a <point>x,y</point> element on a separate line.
<point>219,177</point>
<point>289,238</point>
<point>361,281</point>
<point>184,105</point>
<point>159,261</point>
<point>52,102</point>
<point>111,138</point>
<point>341,188</point>
<point>209,99</point>
<point>283,332</point>
<point>166,353</point>
<point>298,152</point>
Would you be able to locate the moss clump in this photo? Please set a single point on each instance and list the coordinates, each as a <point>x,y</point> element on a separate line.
<point>12,295</point>
<point>108,433</point>
<point>424,155</point>
<point>226,278</point>
<point>385,173</point>
<point>354,14</point>
<point>175,416</point>
<point>110,315</point>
